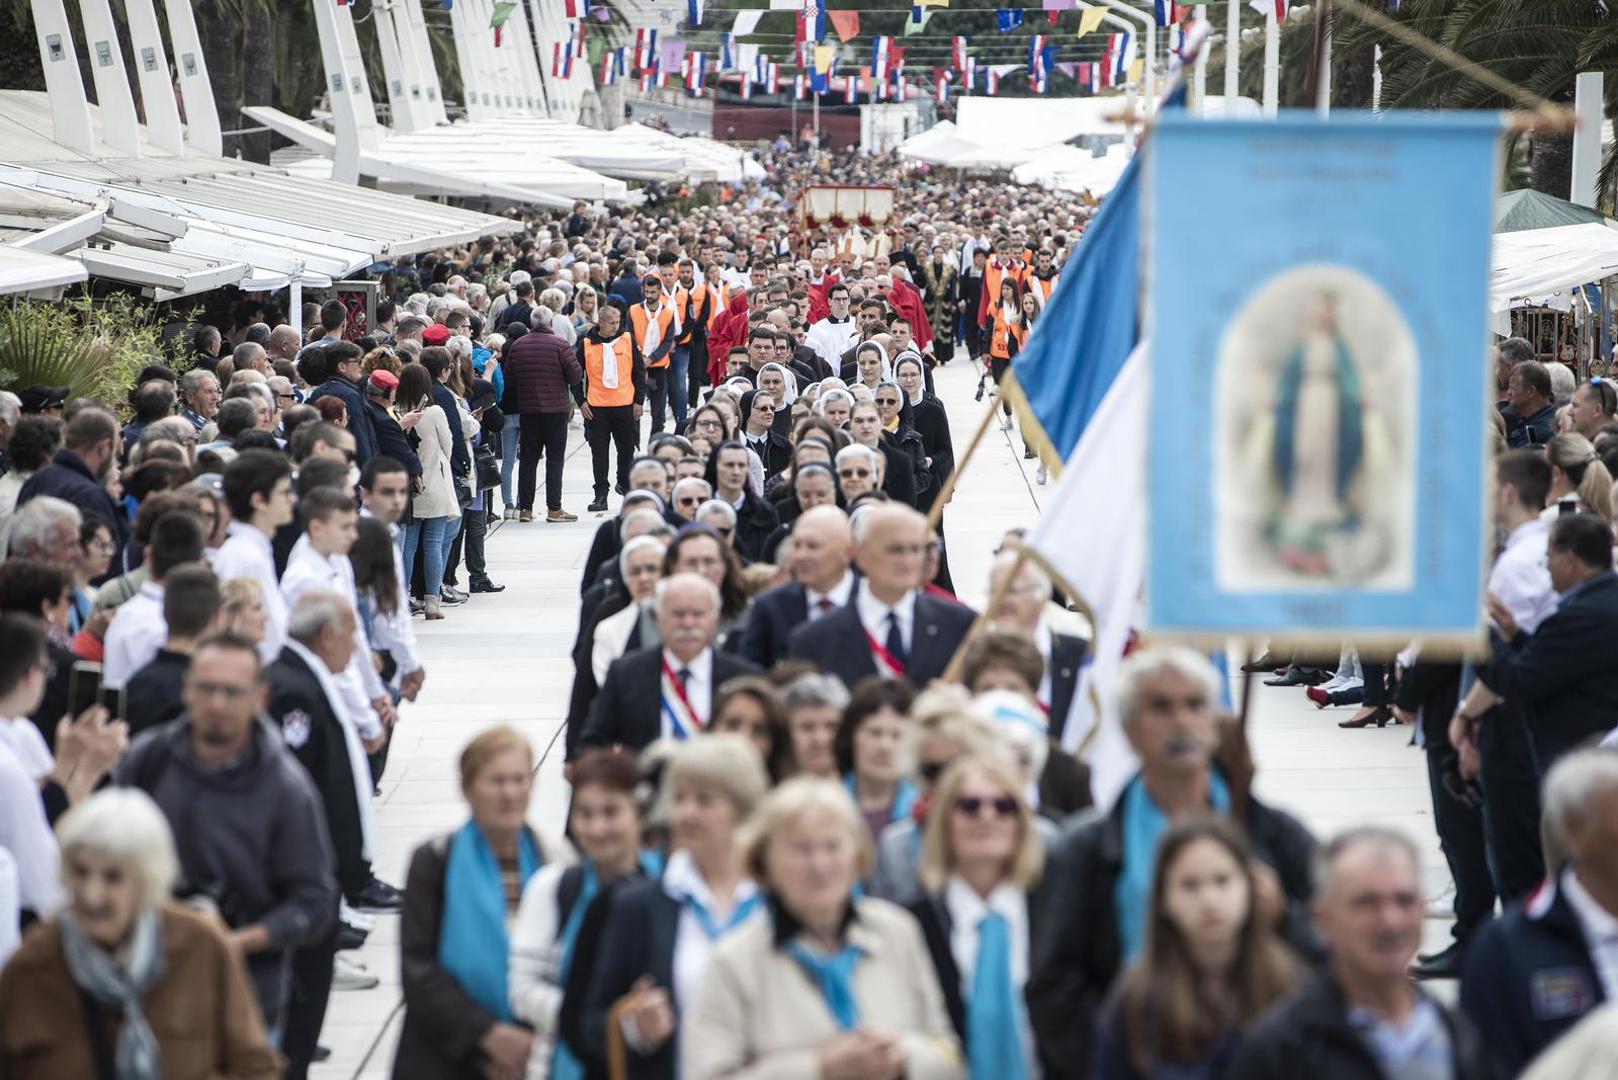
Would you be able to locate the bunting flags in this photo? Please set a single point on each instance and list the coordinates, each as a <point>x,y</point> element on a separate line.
<point>1090,16</point>
<point>1126,56</point>
<point>727,52</point>
<point>812,21</point>
<point>800,87</point>
<point>1036,50</point>
<point>577,9</point>
<point>1007,19</point>
<point>850,89</point>
<point>609,68</point>
<point>941,87</point>
<point>879,56</point>
<point>918,22</point>
<point>957,53</point>
<point>901,89</point>
<point>846,23</point>
<point>693,12</point>
<point>747,86</point>
<point>970,71</point>
<point>825,56</point>
<point>773,79</point>
<point>746,22</point>
<point>1279,8</point>
<point>1039,80</point>
<point>696,71</point>
<point>1168,12</point>
<point>645,48</point>
<point>993,86</point>
<point>556,59</point>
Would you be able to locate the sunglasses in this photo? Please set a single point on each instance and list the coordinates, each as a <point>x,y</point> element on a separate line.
<point>1004,806</point>
<point>849,474</point>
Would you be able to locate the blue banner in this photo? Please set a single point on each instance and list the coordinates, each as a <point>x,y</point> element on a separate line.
<point>1318,318</point>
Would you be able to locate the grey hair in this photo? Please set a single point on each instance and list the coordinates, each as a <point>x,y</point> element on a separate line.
<point>436,307</point>
<point>174,429</point>
<point>807,691</point>
<point>639,543</point>
<point>1149,663</point>
<point>459,346</point>
<point>10,407</point>
<point>1562,383</point>
<point>826,395</point>
<point>647,516</point>
<point>1573,782</point>
<point>664,584</point>
<point>124,824</point>
<point>1376,836</point>
<point>553,298</point>
<point>543,316</point>
<point>858,450</point>
<point>315,610</point>
<point>720,507</point>
<point>192,380</point>
<point>35,520</point>
<point>691,481</point>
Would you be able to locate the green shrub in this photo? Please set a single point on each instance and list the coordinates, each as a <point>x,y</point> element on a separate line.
<point>95,347</point>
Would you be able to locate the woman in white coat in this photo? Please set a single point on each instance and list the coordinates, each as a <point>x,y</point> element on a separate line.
<point>433,506</point>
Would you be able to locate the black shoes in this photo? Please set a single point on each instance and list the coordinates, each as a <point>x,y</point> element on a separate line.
<point>598,506</point>
<point>1297,676</point>
<point>1263,663</point>
<point>1028,453</point>
<point>485,585</point>
<point>1439,965</point>
<point>1378,715</point>
<point>377,898</point>
<point>979,395</point>
<point>349,937</point>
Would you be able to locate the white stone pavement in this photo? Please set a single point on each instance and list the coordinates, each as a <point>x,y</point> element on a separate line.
<point>504,659</point>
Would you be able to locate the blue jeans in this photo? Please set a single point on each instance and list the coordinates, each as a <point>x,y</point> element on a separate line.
<point>508,458</point>
<point>679,382</point>
<point>434,537</point>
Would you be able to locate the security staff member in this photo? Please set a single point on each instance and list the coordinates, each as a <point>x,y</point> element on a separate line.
<point>615,393</point>
<point>656,327</point>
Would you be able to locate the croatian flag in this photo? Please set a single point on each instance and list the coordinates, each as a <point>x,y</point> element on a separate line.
<point>696,72</point>
<point>941,88</point>
<point>747,86</point>
<point>1279,8</point>
<point>1168,12</point>
<point>727,51</point>
<point>1039,80</point>
<point>693,12</point>
<point>609,68</point>
<point>993,83</point>
<point>761,68</point>
<point>556,59</point>
<point>850,89</point>
<point>579,51</point>
<point>813,21</point>
<point>1092,77</point>
<point>800,88</point>
<point>774,80</point>
<point>879,57</point>
<point>577,9</point>
<point>1036,52</point>
<point>567,60</point>
<point>957,52</point>
<point>645,48</point>
<point>970,82</point>
<point>901,89</point>
<point>1126,57</point>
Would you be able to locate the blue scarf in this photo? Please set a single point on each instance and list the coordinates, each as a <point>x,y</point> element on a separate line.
<point>1144,825</point>
<point>834,975</point>
<point>904,798</point>
<point>993,1039</point>
<point>472,939</point>
<point>705,917</point>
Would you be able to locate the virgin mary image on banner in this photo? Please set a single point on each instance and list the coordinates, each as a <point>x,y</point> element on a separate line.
<point>1314,446</point>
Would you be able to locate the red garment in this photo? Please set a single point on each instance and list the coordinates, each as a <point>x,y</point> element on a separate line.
<point>729,330</point>
<point>907,302</point>
<point>819,302</point>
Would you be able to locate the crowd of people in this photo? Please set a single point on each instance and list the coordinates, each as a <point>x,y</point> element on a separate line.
<point>820,818</point>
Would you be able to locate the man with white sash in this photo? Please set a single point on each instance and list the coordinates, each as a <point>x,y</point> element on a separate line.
<point>666,691</point>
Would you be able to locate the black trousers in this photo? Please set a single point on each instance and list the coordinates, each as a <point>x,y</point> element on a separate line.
<point>1510,781</point>
<point>1458,816</point>
<point>997,369</point>
<point>611,426</point>
<point>541,435</point>
<point>657,392</point>
<point>306,1004</point>
<point>696,372</point>
<point>474,530</point>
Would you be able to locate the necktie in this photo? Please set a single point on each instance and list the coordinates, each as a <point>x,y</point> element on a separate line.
<point>823,605</point>
<point>896,639</point>
<point>994,1044</point>
<point>684,676</point>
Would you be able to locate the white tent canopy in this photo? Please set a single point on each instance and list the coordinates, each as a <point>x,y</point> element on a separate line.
<point>1535,262</point>
<point>24,271</point>
<point>1068,168</point>
<point>945,144</point>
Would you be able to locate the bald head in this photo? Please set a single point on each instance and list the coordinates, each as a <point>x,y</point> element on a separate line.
<point>1022,603</point>
<point>283,343</point>
<point>890,544</point>
<point>822,548</point>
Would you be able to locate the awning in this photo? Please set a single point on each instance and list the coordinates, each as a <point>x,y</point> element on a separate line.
<point>24,271</point>
<point>1533,263</point>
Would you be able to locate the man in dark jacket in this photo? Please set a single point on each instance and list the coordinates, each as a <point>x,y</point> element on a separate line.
<point>1529,392</point>
<point>541,373</point>
<point>391,440</point>
<point>339,363</point>
<point>1536,971</point>
<point>1562,672</point>
<point>1365,1019</point>
<point>90,444</point>
<point>248,825</point>
<point>1165,701</point>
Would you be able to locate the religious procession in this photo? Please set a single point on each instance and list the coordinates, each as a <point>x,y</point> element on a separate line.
<point>653,540</point>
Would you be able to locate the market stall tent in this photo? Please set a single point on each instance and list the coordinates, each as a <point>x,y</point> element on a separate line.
<point>1524,209</point>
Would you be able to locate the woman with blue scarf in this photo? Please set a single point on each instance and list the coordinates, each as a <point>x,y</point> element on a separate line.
<point>981,858</point>
<point>830,984</point>
<point>460,900</point>
<point>606,824</point>
<point>870,752</point>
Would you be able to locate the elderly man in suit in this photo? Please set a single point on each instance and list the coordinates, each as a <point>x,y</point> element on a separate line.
<point>890,627</point>
<point>1022,608</point>
<point>666,691</point>
<point>822,582</point>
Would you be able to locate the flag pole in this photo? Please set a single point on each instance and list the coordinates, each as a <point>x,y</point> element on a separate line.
<point>952,673</point>
<point>936,513</point>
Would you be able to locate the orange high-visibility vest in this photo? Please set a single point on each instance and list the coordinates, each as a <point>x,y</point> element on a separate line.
<point>595,372</point>
<point>666,324</point>
<point>1004,334</point>
<point>1038,284</point>
<point>690,302</point>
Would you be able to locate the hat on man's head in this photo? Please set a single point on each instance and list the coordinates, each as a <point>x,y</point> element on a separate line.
<point>384,380</point>
<point>436,334</point>
<point>36,399</point>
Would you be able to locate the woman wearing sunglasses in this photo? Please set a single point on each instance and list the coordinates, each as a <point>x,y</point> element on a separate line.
<point>981,858</point>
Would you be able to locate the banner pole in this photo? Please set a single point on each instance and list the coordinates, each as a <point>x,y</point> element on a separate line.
<point>936,514</point>
<point>952,673</point>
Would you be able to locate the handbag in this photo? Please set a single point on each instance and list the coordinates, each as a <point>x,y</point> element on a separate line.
<point>463,491</point>
<point>487,468</point>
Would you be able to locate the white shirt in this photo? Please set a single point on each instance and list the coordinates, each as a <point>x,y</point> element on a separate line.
<point>358,684</point>
<point>394,633</point>
<point>831,339</point>
<point>966,909</point>
<point>135,634</point>
<point>359,764</point>
<point>838,596</point>
<point>1520,577</point>
<point>611,639</point>
<point>26,834</point>
<point>10,907</point>
<point>1600,929</point>
<point>874,616</point>
<point>698,685</point>
<point>1043,642</point>
<point>692,946</point>
<point>246,553</point>
<point>28,744</point>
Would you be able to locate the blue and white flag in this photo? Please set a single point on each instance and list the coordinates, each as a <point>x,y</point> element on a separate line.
<point>879,57</point>
<point>693,12</point>
<point>727,51</point>
<point>1007,19</point>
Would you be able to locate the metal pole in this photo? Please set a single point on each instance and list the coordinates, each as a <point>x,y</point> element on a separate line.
<point>1323,59</point>
<point>1272,63</point>
<point>1233,49</point>
<point>1376,78</point>
<point>1587,94</point>
<point>1199,80</point>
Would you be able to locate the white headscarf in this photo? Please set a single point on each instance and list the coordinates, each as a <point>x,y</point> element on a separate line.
<point>790,379</point>
<point>921,387</point>
<point>887,368</point>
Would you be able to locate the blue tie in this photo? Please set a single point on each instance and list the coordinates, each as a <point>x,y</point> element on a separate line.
<point>834,976</point>
<point>896,640</point>
<point>993,1042</point>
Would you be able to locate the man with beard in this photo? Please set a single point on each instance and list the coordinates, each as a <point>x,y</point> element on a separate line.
<point>78,472</point>
<point>1165,700</point>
